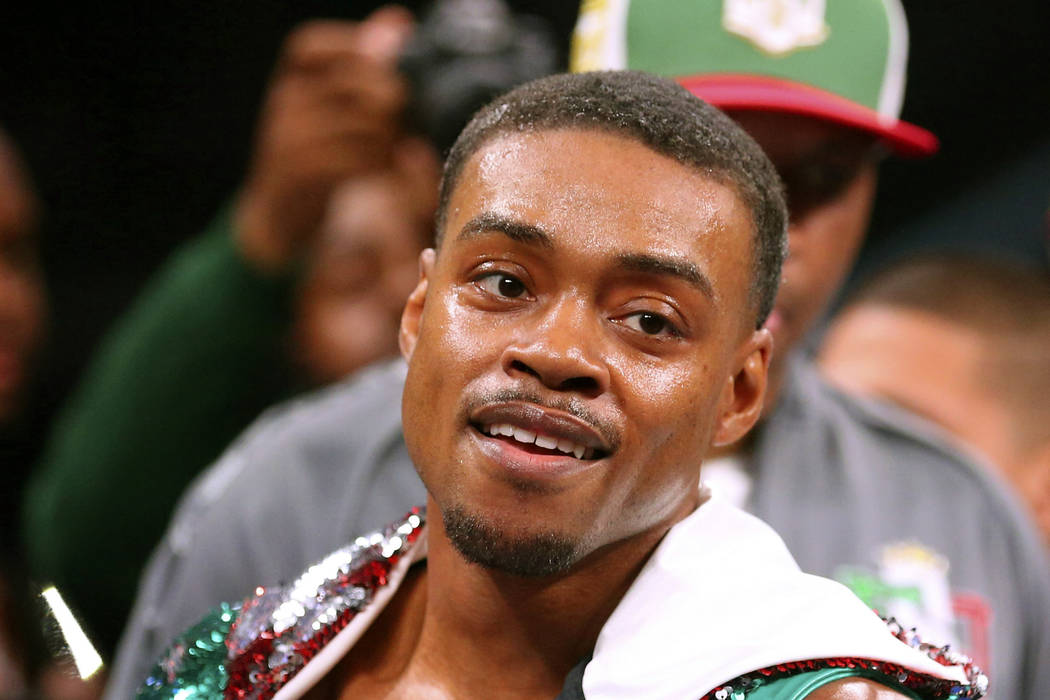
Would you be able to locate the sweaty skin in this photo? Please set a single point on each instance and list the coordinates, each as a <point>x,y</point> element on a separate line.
<point>593,290</point>
<point>570,333</point>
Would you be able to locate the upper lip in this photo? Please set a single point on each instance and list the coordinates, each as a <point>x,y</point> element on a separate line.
<point>542,420</point>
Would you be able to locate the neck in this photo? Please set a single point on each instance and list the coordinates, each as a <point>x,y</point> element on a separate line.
<point>533,630</point>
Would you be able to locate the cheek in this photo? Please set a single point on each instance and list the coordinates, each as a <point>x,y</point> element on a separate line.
<point>442,364</point>
<point>443,357</point>
<point>671,444</point>
<point>466,339</point>
<point>673,408</point>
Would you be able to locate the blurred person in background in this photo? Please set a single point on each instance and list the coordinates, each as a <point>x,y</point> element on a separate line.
<point>25,669</point>
<point>584,303</point>
<point>363,264</point>
<point>22,320</point>
<point>298,284</point>
<point>962,342</point>
<point>853,489</point>
<point>22,304</point>
<point>238,318</point>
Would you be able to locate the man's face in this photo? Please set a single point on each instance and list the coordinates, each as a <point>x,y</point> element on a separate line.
<point>885,351</point>
<point>880,350</point>
<point>592,296</point>
<point>21,291</point>
<point>364,266</point>
<point>829,175</point>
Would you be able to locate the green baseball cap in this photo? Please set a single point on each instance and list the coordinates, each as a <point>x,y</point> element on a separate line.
<point>841,60</point>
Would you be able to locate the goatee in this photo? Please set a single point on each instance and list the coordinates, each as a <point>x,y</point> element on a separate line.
<point>485,543</point>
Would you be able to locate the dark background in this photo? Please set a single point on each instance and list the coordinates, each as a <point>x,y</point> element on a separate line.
<point>137,119</point>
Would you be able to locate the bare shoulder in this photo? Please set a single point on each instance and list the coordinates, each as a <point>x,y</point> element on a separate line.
<point>855,689</point>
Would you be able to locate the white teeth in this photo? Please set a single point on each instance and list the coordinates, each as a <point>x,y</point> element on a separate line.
<point>522,435</point>
<point>547,443</point>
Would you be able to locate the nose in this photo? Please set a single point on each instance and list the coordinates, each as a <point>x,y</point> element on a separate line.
<point>561,348</point>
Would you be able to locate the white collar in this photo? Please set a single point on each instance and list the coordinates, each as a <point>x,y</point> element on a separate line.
<point>721,596</point>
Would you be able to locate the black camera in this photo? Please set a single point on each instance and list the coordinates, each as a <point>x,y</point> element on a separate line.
<point>463,54</point>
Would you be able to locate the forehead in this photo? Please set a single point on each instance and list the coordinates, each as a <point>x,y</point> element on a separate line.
<point>600,190</point>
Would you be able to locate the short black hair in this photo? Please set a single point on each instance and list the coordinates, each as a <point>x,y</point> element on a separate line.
<point>660,114</point>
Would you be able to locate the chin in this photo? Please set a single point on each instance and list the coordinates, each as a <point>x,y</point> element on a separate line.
<point>494,545</point>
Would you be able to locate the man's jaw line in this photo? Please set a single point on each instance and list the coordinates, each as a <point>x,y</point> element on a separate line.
<point>505,613</point>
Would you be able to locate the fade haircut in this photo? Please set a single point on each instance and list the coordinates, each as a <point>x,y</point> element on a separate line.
<point>660,114</point>
<point>1003,301</point>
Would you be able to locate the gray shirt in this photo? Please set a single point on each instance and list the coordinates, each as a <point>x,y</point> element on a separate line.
<point>859,491</point>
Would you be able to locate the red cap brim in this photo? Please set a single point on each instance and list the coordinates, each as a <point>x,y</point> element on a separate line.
<point>734,91</point>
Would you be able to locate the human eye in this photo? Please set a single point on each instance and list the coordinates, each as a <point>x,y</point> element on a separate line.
<point>501,284</point>
<point>651,324</point>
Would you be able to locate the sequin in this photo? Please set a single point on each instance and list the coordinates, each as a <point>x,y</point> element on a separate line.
<point>928,686</point>
<point>248,651</point>
<point>316,607</point>
<point>194,666</point>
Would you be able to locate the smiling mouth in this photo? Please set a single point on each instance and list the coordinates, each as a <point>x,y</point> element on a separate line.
<point>537,443</point>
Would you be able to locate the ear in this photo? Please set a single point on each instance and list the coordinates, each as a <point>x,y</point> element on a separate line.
<point>743,395</point>
<point>413,313</point>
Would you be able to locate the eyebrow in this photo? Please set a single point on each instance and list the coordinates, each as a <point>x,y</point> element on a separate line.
<point>644,263</point>
<point>519,231</point>
<point>664,266</point>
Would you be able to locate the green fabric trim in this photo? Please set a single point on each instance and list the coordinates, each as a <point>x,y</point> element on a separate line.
<point>800,685</point>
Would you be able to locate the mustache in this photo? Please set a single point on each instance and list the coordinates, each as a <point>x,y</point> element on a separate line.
<point>568,404</point>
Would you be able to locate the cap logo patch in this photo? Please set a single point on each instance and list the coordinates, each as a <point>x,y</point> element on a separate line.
<point>776,27</point>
